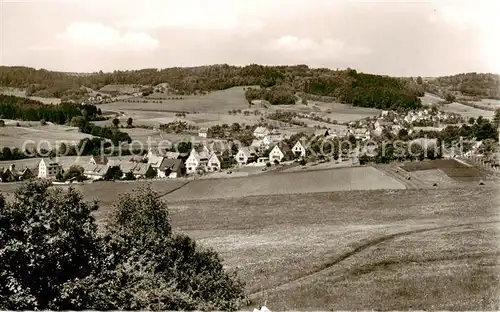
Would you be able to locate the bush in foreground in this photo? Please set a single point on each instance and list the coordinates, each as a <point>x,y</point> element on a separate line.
<point>52,257</point>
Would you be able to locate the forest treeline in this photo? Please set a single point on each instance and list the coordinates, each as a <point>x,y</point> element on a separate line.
<point>13,107</point>
<point>470,84</point>
<point>346,86</point>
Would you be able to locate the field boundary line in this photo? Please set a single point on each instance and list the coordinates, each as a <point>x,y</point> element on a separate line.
<point>360,248</point>
<point>174,189</point>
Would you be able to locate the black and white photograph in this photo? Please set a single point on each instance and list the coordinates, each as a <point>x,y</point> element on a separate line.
<point>249,155</point>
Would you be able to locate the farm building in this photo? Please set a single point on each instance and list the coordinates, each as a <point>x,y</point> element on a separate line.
<point>48,170</point>
<point>171,168</point>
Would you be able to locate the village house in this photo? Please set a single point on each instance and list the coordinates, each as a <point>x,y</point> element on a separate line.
<point>155,161</point>
<point>48,169</point>
<point>171,168</point>
<point>278,152</point>
<point>213,163</point>
<point>260,132</point>
<point>299,149</point>
<point>142,171</point>
<point>95,171</point>
<point>192,162</point>
<point>361,134</point>
<point>243,155</point>
<point>6,175</point>
<point>12,174</point>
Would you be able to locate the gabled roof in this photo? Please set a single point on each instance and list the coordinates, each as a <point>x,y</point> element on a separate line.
<point>155,160</point>
<point>48,162</point>
<point>194,154</point>
<point>172,155</point>
<point>172,164</point>
<point>282,146</point>
<point>141,168</point>
<point>211,158</point>
<point>245,151</point>
<point>100,160</point>
<point>99,170</point>
<point>260,130</point>
<point>256,143</point>
<point>298,143</point>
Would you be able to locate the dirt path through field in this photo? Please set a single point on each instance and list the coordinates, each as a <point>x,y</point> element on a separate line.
<point>358,249</point>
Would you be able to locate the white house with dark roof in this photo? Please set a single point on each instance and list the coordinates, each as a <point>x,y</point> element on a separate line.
<point>278,152</point>
<point>299,149</point>
<point>192,162</point>
<point>213,163</point>
<point>243,155</point>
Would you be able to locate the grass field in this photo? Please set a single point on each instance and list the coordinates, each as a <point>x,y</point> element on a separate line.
<point>430,99</point>
<point>466,111</point>
<point>392,249</point>
<point>379,249</point>
<point>213,102</point>
<point>453,169</point>
<point>212,109</point>
<point>21,93</point>
<point>342,179</point>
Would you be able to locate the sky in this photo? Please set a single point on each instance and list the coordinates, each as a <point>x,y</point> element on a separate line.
<point>398,38</point>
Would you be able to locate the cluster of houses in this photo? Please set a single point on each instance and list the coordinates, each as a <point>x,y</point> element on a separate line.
<point>390,121</point>
<point>428,115</point>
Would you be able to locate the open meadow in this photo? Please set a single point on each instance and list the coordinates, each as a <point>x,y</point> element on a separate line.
<point>466,111</point>
<point>212,109</point>
<point>341,179</point>
<point>378,249</point>
<point>14,137</point>
<point>350,238</point>
<point>21,93</point>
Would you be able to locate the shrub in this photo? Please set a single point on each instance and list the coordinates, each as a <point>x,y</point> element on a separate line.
<point>54,258</point>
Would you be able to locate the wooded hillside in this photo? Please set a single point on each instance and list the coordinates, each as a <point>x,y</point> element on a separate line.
<point>347,86</point>
<point>469,84</point>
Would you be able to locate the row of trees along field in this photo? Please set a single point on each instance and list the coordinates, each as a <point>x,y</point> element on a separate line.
<point>13,107</point>
<point>53,257</point>
<point>346,86</point>
<point>470,84</point>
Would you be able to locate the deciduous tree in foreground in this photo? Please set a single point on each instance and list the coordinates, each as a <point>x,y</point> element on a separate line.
<point>53,256</point>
